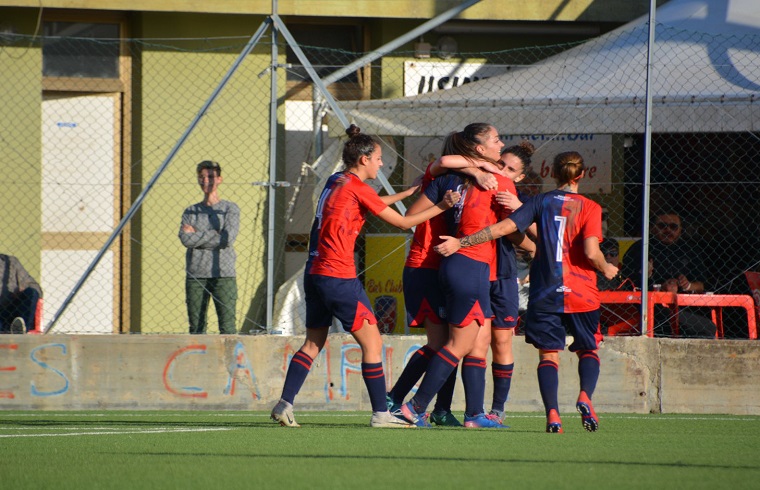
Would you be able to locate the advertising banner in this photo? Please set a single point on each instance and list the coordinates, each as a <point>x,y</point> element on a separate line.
<point>384,268</point>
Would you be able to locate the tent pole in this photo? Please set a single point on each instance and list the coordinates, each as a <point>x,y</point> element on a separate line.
<point>647,173</point>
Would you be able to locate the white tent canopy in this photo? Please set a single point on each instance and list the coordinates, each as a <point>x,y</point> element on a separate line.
<point>706,78</point>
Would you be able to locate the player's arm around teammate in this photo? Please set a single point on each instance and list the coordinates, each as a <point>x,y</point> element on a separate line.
<point>569,233</point>
<point>465,281</point>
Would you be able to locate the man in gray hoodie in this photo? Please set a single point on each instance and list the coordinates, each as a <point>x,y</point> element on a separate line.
<point>208,230</point>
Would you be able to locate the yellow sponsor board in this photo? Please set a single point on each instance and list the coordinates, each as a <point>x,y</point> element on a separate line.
<point>384,268</point>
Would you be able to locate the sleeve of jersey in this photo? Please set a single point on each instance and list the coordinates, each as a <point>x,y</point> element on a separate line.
<point>427,177</point>
<point>369,199</point>
<point>593,220</point>
<point>436,191</point>
<point>432,190</point>
<point>526,214</point>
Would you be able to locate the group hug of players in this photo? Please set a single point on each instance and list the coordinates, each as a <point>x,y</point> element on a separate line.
<point>460,280</point>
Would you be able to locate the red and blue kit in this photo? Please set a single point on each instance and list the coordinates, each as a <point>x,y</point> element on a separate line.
<point>505,301</point>
<point>479,210</point>
<point>423,297</point>
<point>421,253</point>
<point>466,275</point>
<point>341,213</point>
<point>562,280</point>
<point>330,282</point>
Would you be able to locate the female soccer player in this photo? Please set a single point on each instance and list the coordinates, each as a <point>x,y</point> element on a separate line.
<point>563,292</point>
<point>465,282</point>
<point>423,297</point>
<point>504,290</point>
<point>330,282</point>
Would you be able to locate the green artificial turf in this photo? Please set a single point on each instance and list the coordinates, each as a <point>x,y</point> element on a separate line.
<point>189,450</point>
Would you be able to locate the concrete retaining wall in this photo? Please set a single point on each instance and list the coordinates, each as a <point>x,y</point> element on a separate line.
<point>639,375</point>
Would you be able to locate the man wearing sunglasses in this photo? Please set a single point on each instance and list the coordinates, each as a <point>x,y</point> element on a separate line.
<point>676,265</point>
<point>611,250</point>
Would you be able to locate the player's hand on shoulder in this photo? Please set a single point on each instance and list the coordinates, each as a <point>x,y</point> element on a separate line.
<point>508,200</point>
<point>486,181</point>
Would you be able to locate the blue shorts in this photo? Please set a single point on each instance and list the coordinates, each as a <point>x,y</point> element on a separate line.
<point>505,303</point>
<point>467,290</point>
<point>423,297</point>
<point>344,299</point>
<point>547,331</point>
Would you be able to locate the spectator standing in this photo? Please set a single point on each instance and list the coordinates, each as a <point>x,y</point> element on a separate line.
<point>208,231</point>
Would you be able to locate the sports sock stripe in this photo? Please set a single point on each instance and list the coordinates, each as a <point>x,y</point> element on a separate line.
<point>448,356</point>
<point>426,352</point>
<point>303,359</point>
<point>474,361</point>
<point>547,363</point>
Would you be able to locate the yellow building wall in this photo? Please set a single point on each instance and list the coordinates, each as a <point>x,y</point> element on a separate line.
<point>20,144</point>
<point>234,132</point>
<point>562,10</point>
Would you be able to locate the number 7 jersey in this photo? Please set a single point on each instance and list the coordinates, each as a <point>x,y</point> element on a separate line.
<point>562,280</point>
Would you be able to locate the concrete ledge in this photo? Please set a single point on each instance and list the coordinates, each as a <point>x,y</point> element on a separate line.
<point>639,375</point>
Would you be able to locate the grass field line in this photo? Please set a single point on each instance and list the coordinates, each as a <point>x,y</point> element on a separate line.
<point>111,432</point>
<point>306,414</point>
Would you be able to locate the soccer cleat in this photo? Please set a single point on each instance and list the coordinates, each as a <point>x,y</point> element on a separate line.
<point>444,418</point>
<point>553,422</point>
<point>283,413</point>
<point>385,419</point>
<point>407,413</point>
<point>500,416</point>
<point>392,406</point>
<point>588,415</point>
<point>18,325</point>
<point>483,421</point>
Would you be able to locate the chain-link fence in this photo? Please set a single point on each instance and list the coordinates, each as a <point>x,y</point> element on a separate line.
<point>98,146</point>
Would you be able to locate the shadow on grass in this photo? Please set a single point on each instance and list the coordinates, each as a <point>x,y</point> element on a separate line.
<point>437,459</point>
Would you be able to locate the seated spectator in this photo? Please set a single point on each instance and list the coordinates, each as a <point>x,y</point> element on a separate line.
<point>676,265</point>
<point>611,250</point>
<point>18,298</point>
<point>616,319</point>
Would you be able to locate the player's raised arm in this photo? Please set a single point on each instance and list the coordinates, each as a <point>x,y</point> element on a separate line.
<point>481,171</point>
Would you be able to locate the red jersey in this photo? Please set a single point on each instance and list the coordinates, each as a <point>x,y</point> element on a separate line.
<point>341,213</point>
<point>421,253</point>
<point>479,210</point>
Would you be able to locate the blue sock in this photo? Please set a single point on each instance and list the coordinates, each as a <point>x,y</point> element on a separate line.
<point>474,381</point>
<point>548,384</point>
<point>412,373</point>
<point>300,365</point>
<point>438,371</point>
<point>502,380</point>
<point>588,370</point>
<point>446,394</point>
<point>374,378</point>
